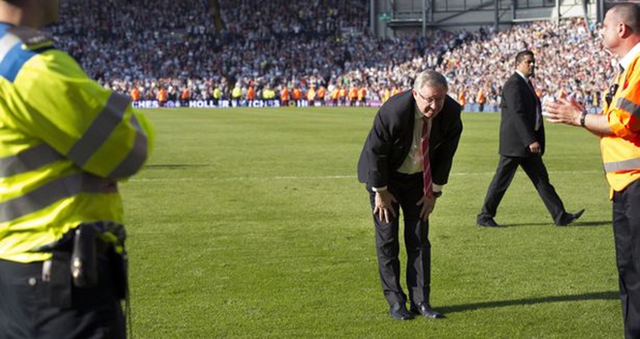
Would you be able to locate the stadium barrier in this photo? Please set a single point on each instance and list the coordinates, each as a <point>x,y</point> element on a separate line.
<point>235,103</point>
<point>277,103</point>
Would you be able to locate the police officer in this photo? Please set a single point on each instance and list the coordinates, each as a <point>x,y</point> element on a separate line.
<point>65,142</point>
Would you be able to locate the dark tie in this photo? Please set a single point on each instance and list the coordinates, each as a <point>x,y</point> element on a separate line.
<point>538,106</point>
<point>426,163</point>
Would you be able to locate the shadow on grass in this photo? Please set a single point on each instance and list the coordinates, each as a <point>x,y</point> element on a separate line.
<point>575,224</point>
<point>174,166</point>
<point>609,295</point>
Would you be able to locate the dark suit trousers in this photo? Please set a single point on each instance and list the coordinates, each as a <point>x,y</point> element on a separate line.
<point>407,190</point>
<point>537,173</point>
<point>626,230</point>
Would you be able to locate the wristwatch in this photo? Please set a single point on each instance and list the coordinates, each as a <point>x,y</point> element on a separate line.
<point>583,115</point>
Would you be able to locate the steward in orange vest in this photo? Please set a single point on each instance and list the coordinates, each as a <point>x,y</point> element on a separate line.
<point>135,94</point>
<point>162,97</point>
<point>297,94</point>
<point>251,93</point>
<point>335,95</point>
<point>284,96</point>
<point>362,96</point>
<point>480,99</point>
<point>342,94</point>
<point>322,92</point>
<point>353,96</point>
<point>311,96</point>
<point>618,127</point>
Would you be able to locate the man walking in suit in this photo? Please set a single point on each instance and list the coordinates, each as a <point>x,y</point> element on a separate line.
<point>398,175</point>
<point>522,144</point>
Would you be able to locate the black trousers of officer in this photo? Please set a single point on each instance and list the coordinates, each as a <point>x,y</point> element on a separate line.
<point>626,230</point>
<point>407,189</point>
<point>537,173</point>
<point>26,310</point>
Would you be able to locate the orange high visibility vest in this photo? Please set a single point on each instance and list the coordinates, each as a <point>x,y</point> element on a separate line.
<point>343,92</point>
<point>480,98</point>
<point>321,93</point>
<point>311,94</point>
<point>462,100</point>
<point>362,93</point>
<point>135,94</point>
<point>334,94</point>
<point>251,93</point>
<point>162,95</point>
<point>621,151</point>
<point>353,93</point>
<point>297,93</point>
<point>284,96</point>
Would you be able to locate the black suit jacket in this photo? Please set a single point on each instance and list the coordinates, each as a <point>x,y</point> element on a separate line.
<point>389,140</point>
<point>518,112</point>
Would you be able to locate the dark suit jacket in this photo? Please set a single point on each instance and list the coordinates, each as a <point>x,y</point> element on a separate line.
<point>518,110</point>
<point>389,140</point>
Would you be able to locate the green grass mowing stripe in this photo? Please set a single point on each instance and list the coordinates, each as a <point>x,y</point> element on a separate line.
<point>250,223</point>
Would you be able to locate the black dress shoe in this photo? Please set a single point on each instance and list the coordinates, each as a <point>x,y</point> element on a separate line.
<point>398,311</point>
<point>487,222</point>
<point>570,218</point>
<point>426,311</point>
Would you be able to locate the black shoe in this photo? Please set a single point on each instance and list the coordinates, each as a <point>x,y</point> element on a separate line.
<point>398,311</point>
<point>569,218</point>
<point>487,222</point>
<point>426,311</point>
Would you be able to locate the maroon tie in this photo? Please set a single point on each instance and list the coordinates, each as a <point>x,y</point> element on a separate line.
<point>426,164</point>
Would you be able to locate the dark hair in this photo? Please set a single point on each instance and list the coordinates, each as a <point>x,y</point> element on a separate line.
<point>520,56</point>
<point>629,14</point>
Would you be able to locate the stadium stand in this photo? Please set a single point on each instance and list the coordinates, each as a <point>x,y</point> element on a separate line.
<point>191,47</point>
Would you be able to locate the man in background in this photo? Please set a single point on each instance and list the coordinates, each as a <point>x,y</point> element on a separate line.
<point>522,144</point>
<point>405,161</point>
<point>619,130</point>
<point>65,142</point>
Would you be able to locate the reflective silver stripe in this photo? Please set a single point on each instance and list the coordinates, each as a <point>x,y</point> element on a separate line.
<point>629,106</point>
<point>100,129</point>
<point>136,157</point>
<point>7,43</point>
<point>52,192</point>
<point>626,165</point>
<point>28,160</point>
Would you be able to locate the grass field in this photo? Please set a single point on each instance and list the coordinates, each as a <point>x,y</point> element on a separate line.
<point>250,223</point>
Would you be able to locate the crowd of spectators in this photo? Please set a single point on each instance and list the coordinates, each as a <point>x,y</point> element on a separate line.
<point>190,48</point>
<point>570,60</point>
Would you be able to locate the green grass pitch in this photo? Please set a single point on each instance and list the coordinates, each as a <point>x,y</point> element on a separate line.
<point>250,223</point>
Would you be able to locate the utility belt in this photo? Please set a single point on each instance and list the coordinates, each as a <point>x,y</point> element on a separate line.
<point>89,256</point>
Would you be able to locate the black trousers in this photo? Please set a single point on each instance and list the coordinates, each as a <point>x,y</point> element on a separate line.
<point>30,308</point>
<point>626,230</point>
<point>537,173</point>
<point>407,190</point>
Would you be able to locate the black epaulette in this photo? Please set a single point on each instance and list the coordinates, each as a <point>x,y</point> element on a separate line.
<point>31,38</point>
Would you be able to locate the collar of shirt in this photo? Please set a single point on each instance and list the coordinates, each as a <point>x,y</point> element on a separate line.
<point>417,113</point>
<point>526,79</point>
<point>628,58</point>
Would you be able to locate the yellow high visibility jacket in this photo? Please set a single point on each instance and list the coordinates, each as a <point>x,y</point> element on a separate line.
<point>621,151</point>
<point>65,142</point>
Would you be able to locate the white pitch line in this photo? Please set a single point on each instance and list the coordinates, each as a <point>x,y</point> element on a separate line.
<point>323,177</point>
